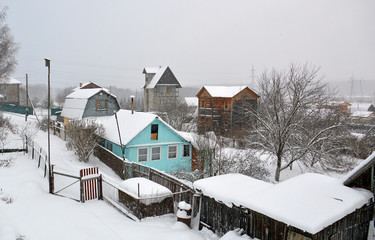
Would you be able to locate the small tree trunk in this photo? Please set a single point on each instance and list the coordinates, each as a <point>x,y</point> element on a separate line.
<point>278,169</point>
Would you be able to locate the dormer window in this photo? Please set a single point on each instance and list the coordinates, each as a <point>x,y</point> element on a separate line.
<point>154,131</point>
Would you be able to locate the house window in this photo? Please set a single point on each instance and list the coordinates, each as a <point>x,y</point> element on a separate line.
<point>186,152</point>
<point>142,154</point>
<point>154,131</point>
<point>101,105</point>
<point>226,105</point>
<point>155,153</point>
<point>172,151</point>
<point>203,105</point>
<point>109,146</point>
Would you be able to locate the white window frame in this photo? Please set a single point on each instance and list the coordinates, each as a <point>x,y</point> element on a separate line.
<point>153,154</point>
<point>169,151</point>
<point>183,150</point>
<point>138,154</point>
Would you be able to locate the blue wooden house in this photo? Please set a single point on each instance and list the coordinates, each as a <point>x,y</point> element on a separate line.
<point>89,100</point>
<point>146,139</point>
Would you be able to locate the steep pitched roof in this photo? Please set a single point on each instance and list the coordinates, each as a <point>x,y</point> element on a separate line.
<point>224,91</point>
<point>163,76</point>
<point>130,125</point>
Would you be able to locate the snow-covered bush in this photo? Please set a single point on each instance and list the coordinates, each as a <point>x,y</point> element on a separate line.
<point>83,137</point>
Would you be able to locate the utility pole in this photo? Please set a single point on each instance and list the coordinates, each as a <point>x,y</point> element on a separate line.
<point>50,180</point>
<point>351,87</point>
<point>27,97</point>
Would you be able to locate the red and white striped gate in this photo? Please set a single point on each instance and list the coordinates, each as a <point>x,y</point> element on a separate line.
<point>89,183</point>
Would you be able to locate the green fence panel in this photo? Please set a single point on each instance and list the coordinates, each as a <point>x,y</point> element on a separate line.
<point>15,109</point>
<point>54,110</point>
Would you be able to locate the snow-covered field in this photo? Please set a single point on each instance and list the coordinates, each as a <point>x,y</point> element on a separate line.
<point>28,211</point>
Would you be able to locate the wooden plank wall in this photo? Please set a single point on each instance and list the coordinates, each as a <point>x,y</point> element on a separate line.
<point>220,218</point>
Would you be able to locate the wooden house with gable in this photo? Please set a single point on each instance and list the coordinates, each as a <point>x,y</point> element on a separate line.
<point>89,100</point>
<point>161,86</point>
<point>222,109</point>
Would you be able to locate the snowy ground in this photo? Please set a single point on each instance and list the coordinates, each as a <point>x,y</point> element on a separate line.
<point>29,212</point>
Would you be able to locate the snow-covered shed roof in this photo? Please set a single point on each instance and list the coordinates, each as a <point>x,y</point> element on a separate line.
<point>147,188</point>
<point>9,80</point>
<point>130,125</point>
<point>357,171</point>
<point>230,188</point>
<point>225,91</point>
<point>309,201</point>
<point>362,114</point>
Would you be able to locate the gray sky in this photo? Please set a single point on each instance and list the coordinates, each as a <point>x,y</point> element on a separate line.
<point>209,42</point>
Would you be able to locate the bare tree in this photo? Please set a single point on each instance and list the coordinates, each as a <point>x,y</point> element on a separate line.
<point>176,113</point>
<point>5,127</point>
<point>61,95</point>
<point>8,47</point>
<point>289,101</point>
<point>83,137</point>
<point>27,131</point>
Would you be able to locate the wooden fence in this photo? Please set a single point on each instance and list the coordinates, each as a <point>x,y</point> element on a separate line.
<point>39,154</point>
<point>181,191</point>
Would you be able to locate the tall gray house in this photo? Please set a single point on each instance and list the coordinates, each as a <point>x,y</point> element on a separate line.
<point>161,87</point>
<point>9,91</point>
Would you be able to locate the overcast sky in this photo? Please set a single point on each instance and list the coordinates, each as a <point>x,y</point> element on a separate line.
<point>205,42</point>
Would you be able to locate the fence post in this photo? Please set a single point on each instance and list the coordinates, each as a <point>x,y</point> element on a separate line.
<point>27,145</point>
<point>52,182</point>
<point>100,187</point>
<point>82,194</point>
<point>40,156</point>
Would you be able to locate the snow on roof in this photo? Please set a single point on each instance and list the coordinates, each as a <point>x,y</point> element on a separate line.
<point>85,84</point>
<point>230,188</point>
<point>198,140</point>
<point>224,91</point>
<point>147,189</point>
<point>74,108</point>
<point>151,70</point>
<point>155,79</point>
<point>191,101</point>
<point>9,80</point>
<point>130,125</point>
<point>309,202</point>
<point>363,166</point>
<point>361,114</point>
<point>86,93</point>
